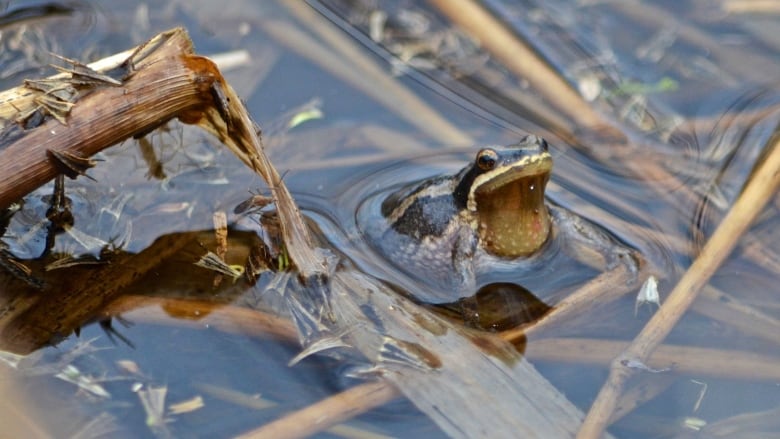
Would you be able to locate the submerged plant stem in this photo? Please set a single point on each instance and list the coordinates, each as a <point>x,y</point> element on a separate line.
<point>521,59</point>
<point>602,289</point>
<point>759,189</point>
<point>327,412</point>
<point>674,359</point>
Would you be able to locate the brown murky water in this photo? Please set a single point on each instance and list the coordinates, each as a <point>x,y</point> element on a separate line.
<point>692,85</point>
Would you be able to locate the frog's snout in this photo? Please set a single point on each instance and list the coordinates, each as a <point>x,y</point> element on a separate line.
<point>535,140</point>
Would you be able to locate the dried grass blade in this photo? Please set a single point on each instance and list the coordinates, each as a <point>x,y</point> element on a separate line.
<point>757,192</point>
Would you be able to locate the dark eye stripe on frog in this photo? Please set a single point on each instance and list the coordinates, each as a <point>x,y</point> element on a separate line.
<point>461,192</point>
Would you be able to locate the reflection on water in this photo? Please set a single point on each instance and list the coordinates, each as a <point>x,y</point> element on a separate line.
<point>692,148</point>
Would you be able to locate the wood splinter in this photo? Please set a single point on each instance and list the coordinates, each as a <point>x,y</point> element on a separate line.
<point>72,165</point>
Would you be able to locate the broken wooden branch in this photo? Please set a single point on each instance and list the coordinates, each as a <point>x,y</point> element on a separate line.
<point>54,125</point>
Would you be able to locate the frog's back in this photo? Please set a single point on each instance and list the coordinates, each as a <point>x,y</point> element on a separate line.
<point>419,231</point>
<point>428,259</point>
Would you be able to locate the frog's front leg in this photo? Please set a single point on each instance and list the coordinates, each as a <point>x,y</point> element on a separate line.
<point>592,245</point>
<point>465,282</point>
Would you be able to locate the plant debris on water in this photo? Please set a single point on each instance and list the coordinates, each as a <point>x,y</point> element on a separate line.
<point>220,203</point>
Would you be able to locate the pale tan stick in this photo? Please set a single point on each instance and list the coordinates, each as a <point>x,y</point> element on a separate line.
<point>203,314</point>
<point>18,416</point>
<point>731,312</point>
<point>677,359</point>
<point>242,399</point>
<point>522,60</point>
<point>762,252</point>
<point>330,411</point>
<point>349,62</point>
<point>604,288</point>
<point>761,187</point>
<point>750,7</point>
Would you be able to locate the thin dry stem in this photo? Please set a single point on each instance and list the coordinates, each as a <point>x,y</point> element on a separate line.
<point>328,412</point>
<point>731,312</point>
<point>675,359</point>
<point>202,314</point>
<point>761,187</point>
<point>750,7</point>
<point>604,288</point>
<point>522,60</point>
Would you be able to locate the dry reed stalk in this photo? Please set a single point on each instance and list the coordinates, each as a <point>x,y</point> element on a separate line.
<point>759,189</point>
<point>202,314</point>
<point>327,412</point>
<point>602,289</point>
<point>750,7</point>
<point>523,60</point>
<point>732,312</point>
<point>674,359</point>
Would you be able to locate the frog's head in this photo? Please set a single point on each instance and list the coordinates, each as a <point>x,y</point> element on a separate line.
<point>504,190</point>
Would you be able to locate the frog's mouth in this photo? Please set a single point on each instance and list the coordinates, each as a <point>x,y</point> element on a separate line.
<point>529,169</point>
<point>512,217</point>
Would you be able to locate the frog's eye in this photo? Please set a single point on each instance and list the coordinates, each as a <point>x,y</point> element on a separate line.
<point>487,159</point>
